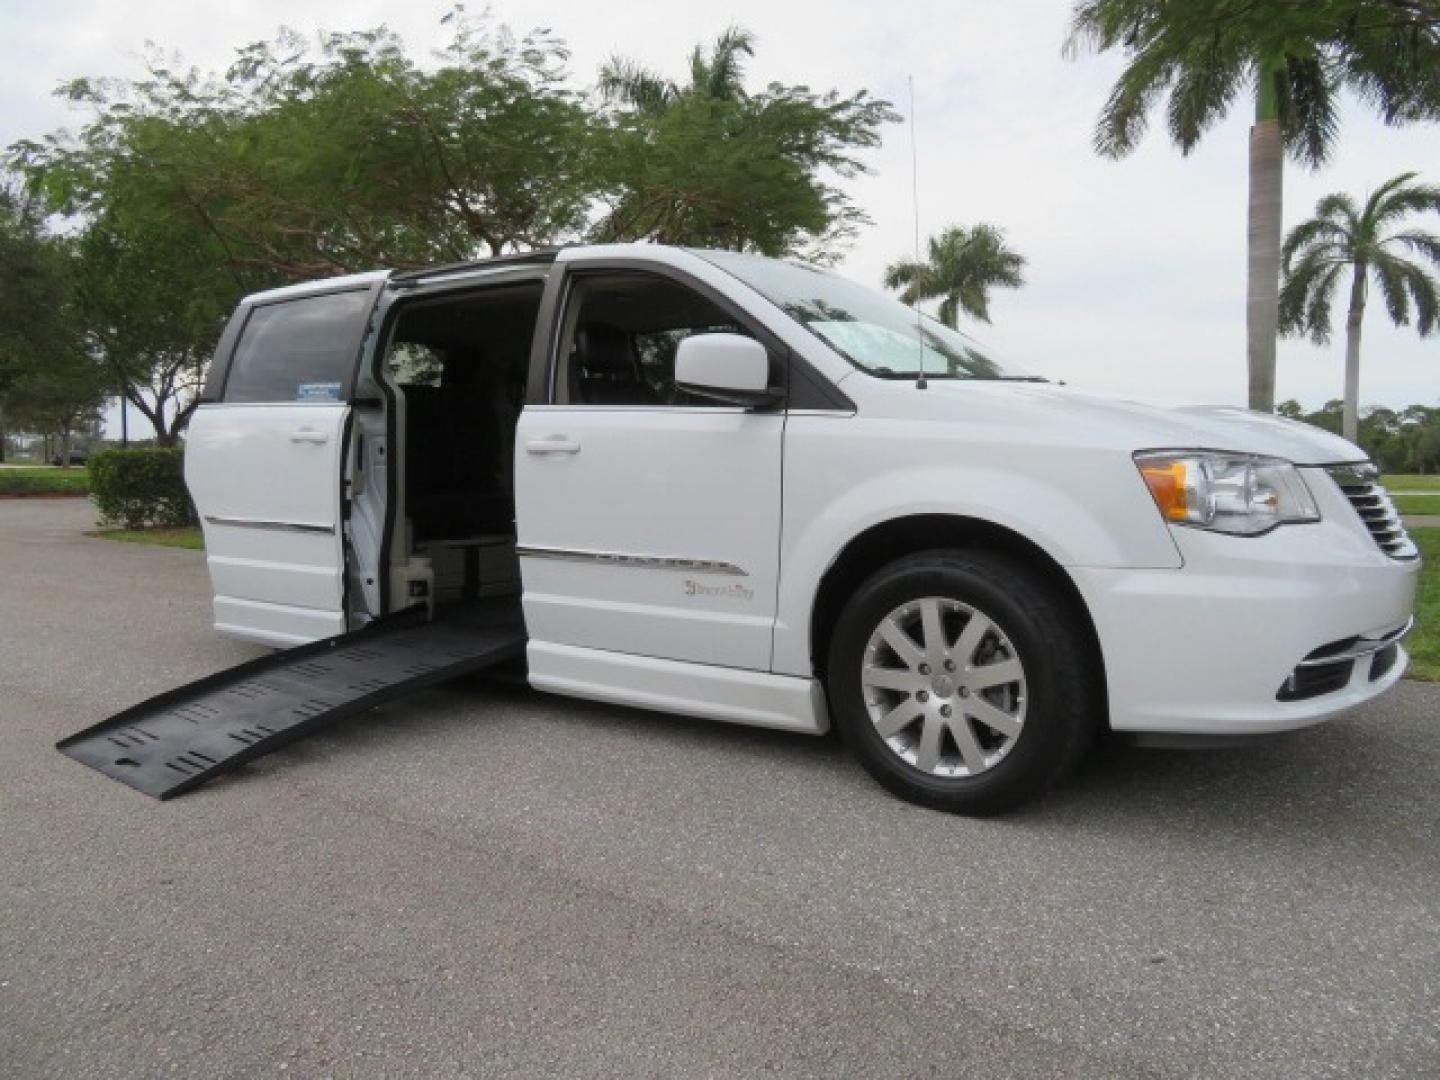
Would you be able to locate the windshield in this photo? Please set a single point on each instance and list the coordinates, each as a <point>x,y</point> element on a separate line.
<point>876,333</point>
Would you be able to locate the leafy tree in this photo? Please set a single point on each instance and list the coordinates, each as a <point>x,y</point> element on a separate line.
<point>58,398</point>
<point>1404,441</point>
<point>963,265</point>
<point>301,162</point>
<point>1369,242</point>
<point>304,160</point>
<point>49,382</point>
<point>33,270</point>
<point>1291,57</point>
<point>195,191</point>
<point>708,163</point>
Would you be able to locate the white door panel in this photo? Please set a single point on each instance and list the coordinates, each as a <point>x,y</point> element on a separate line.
<point>651,531</point>
<point>266,482</point>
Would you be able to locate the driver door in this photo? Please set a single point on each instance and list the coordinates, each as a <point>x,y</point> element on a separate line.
<point>649,519</point>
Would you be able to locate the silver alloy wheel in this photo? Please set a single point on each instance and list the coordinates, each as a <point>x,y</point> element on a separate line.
<point>944,687</point>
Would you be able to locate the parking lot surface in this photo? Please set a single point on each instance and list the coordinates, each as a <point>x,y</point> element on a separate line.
<point>482,880</point>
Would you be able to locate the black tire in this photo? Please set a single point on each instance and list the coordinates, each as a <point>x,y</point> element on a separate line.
<point>1061,711</point>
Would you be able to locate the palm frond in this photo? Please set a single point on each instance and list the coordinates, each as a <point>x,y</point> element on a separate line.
<point>1125,115</point>
<point>1306,294</point>
<point>1426,292</point>
<point>1202,93</point>
<point>949,311</point>
<point>1317,230</point>
<point>1393,63</point>
<point>624,80</point>
<point>1317,311</point>
<point>913,279</point>
<point>1410,282</point>
<point>1340,208</point>
<point>1309,113</point>
<point>1390,274</point>
<point>726,69</point>
<point>1426,245</point>
<point>1398,197</point>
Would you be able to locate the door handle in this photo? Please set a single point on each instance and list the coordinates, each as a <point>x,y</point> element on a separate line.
<point>555,444</point>
<point>310,435</point>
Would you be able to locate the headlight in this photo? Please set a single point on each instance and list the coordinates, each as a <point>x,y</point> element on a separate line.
<point>1232,493</point>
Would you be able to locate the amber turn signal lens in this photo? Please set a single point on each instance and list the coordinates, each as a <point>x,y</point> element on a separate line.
<point>1166,481</point>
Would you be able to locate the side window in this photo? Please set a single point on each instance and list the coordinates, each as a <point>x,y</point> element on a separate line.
<point>620,335</point>
<point>413,364</point>
<point>298,350</point>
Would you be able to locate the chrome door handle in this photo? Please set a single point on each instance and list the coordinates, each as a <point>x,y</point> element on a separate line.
<point>555,444</point>
<point>310,435</point>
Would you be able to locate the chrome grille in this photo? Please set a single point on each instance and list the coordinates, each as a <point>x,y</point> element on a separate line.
<point>1370,501</point>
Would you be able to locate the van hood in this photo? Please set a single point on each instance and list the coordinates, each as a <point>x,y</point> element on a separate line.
<point>1125,424</point>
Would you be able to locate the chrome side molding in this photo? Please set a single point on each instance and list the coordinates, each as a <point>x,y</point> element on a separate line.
<point>277,526</point>
<point>639,562</point>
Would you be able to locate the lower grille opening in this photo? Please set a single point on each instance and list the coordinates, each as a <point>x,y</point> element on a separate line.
<point>1383,661</point>
<point>1312,681</point>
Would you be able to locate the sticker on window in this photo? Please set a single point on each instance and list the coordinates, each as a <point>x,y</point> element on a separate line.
<point>318,391</point>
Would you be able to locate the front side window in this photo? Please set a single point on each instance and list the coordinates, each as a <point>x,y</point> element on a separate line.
<point>876,333</point>
<point>302,350</point>
<point>620,336</point>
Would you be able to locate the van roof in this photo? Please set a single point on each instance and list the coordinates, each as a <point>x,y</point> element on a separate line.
<point>539,256</point>
<point>523,258</point>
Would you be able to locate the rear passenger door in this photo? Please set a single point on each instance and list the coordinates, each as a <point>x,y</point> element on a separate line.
<point>265,457</point>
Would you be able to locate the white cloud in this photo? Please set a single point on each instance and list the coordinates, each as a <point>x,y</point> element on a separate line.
<point>1136,279</point>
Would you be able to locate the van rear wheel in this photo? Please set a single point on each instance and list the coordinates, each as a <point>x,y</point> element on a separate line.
<point>961,682</point>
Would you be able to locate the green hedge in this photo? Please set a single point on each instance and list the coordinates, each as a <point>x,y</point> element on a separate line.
<point>46,481</point>
<point>140,488</point>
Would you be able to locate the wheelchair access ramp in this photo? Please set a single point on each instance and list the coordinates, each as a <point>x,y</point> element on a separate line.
<point>180,739</point>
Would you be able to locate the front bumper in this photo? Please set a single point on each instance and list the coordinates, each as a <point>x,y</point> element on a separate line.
<point>1208,649</point>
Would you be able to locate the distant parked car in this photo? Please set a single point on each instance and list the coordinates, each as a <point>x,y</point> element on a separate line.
<point>77,457</point>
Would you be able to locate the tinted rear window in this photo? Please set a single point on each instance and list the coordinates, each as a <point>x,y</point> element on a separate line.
<point>299,350</point>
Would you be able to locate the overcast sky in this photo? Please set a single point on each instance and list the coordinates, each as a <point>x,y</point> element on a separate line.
<point>1136,276</point>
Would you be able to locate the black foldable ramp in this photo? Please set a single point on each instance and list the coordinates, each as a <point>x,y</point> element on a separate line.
<point>182,738</point>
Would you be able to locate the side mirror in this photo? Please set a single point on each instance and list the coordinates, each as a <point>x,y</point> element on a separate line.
<point>726,367</point>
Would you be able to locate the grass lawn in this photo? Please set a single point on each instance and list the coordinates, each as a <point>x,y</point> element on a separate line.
<point>182,538</point>
<point>1410,482</point>
<point>1424,643</point>
<point>1416,504</point>
<point>43,480</point>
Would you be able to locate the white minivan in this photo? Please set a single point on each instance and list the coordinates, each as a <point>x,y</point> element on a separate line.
<point>727,486</point>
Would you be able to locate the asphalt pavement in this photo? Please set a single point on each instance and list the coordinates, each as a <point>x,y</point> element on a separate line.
<point>486,881</point>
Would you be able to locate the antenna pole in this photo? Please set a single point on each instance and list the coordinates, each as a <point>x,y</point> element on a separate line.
<point>920,383</point>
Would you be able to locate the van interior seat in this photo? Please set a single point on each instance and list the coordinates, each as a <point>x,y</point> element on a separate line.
<point>607,368</point>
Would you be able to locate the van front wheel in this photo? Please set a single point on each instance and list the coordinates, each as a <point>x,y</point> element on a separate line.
<point>961,682</point>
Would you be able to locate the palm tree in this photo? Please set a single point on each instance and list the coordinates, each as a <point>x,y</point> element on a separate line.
<point>1292,57</point>
<point>962,267</point>
<point>1369,241</point>
<point>720,76</point>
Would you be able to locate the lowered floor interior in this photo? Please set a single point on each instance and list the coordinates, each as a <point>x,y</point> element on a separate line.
<point>458,365</point>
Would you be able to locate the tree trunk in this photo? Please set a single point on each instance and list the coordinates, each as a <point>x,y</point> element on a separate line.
<point>1350,417</point>
<point>1262,301</point>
